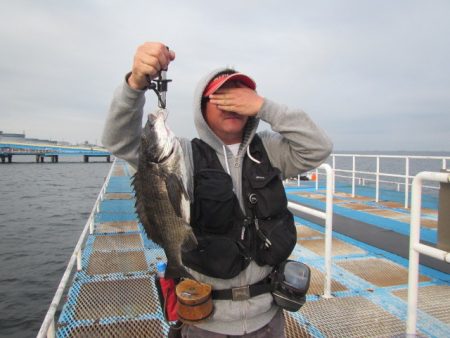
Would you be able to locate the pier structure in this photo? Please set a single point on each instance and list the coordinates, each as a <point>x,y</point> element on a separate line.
<point>50,151</point>
<point>112,292</point>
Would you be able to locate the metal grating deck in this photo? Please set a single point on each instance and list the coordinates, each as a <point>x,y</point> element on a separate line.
<point>338,247</point>
<point>117,227</point>
<point>149,328</point>
<point>351,317</point>
<point>379,271</point>
<point>116,261</point>
<point>433,300</point>
<point>114,295</point>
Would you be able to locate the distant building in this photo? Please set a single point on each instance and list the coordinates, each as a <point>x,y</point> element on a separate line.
<point>10,137</point>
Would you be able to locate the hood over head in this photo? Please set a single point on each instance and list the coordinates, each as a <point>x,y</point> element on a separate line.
<point>204,132</point>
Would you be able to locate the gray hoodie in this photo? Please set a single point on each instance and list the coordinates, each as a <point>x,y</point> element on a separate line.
<point>295,145</point>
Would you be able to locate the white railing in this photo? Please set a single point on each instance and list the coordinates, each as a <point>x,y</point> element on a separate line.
<point>352,174</point>
<point>48,325</point>
<point>328,217</point>
<point>415,247</point>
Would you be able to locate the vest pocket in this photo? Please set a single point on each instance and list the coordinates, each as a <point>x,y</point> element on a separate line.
<point>214,204</point>
<point>281,236</point>
<point>218,257</point>
<point>269,193</point>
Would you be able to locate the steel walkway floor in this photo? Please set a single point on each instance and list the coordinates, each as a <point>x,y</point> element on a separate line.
<point>114,294</point>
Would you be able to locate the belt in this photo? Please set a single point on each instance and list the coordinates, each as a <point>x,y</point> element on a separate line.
<point>243,292</point>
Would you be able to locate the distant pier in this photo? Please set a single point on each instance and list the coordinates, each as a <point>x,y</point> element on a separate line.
<point>52,152</point>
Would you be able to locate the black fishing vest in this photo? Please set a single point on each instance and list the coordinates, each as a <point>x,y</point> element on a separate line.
<point>229,239</point>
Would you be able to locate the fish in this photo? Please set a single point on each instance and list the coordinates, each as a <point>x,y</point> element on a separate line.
<point>162,202</point>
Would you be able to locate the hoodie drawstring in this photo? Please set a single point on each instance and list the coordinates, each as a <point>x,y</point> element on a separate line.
<point>251,157</point>
<point>226,159</point>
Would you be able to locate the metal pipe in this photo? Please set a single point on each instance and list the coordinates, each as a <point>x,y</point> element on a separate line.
<point>328,229</point>
<point>334,169</point>
<point>433,252</point>
<point>377,183</point>
<point>415,246</point>
<point>46,327</point>
<point>328,217</point>
<point>406,182</point>
<point>79,266</point>
<point>353,175</point>
<point>306,210</point>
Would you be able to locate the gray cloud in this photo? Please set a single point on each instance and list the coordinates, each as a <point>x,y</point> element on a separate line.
<point>374,74</point>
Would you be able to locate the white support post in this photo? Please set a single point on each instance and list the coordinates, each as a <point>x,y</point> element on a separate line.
<point>91,226</point>
<point>51,330</point>
<point>415,247</point>
<point>79,266</point>
<point>407,183</point>
<point>328,217</point>
<point>298,180</point>
<point>377,183</point>
<point>334,171</point>
<point>413,273</point>
<point>328,231</point>
<point>353,175</point>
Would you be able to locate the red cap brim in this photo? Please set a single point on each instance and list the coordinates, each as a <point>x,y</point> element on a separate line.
<point>218,82</point>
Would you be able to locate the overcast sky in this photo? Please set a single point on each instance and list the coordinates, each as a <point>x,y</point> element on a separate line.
<point>374,74</point>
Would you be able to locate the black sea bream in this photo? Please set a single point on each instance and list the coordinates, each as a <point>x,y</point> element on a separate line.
<point>162,202</point>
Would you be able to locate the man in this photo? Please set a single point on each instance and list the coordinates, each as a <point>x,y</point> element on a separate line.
<point>239,212</point>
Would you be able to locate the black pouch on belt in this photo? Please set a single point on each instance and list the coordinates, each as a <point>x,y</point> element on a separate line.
<point>290,283</point>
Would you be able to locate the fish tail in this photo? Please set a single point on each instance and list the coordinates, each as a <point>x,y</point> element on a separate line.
<point>173,271</point>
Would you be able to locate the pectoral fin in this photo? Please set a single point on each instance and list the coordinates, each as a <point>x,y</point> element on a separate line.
<point>176,192</point>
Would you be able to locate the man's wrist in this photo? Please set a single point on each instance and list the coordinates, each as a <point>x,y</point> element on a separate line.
<point>129,79</point>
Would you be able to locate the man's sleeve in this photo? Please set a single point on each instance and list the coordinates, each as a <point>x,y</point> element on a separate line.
<point>296,143</point>
<point>123,126</point>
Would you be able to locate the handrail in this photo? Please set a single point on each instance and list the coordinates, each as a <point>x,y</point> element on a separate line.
<point>48,325</point>
<point>377,174</point>
<point>328,217</point>
<point>415,247</point>
<point>366,179</point>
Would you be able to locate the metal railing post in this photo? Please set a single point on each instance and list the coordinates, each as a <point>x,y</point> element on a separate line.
<point>415,247</point>
<point>79,266</point>
<point>328,231</point>
<point>328,217</point>
<point>353,175</point>
<point>51,330</point>
<point>377,183</point>
<point>406,182</point>
<point>334,168</point>
<point>413,273</point>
